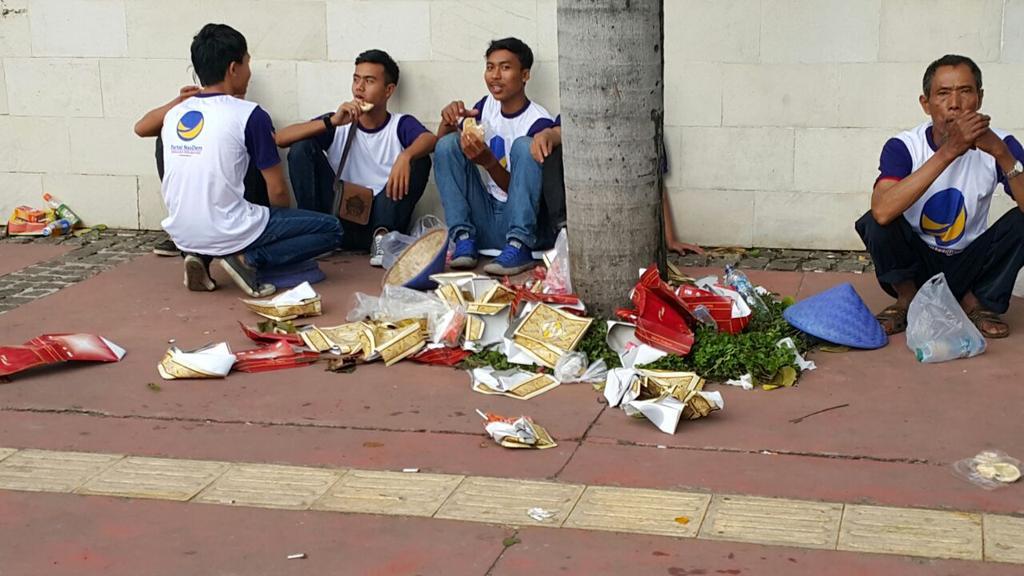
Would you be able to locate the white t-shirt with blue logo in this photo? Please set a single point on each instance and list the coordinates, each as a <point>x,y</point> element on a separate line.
<point>500,131</point>
<point>209,140</point>
<point>953,212</point>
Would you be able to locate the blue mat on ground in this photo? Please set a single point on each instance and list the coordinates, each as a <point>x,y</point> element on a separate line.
<point>292,275</point>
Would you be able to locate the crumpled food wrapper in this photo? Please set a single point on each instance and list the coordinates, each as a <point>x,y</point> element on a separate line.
<point>520,432</point>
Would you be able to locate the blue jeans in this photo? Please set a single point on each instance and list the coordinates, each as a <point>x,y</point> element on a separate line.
<point>293,236</point>
<point>470,208</point>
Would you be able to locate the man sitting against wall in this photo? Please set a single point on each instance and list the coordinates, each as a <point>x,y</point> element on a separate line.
<point>930,204</point>
<point>211,138</point>
<point>501,213</point>
<point>387,158</point>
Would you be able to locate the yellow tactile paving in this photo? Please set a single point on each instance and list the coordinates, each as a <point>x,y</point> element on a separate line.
<point>507,501</point>
<point>397,493</point>
<point>161,478</point>
<point>929,533</point>
<point>50,471</point>
<point>1004,538</point>
<point>774,521</point>
<point>269,486</point>
<point>641,511</point>
<point>770,521</point>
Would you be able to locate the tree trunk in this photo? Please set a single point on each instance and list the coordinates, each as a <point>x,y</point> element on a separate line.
<point>610,66</point>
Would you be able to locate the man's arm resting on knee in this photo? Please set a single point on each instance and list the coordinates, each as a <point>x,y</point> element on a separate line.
<point>891,198</point>
<point>277,189</point>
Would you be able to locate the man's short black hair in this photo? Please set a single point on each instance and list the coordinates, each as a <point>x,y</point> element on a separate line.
<point>214,48</point>
<point>384,59</point>
<point>515,46</point>
<point>949,60</point>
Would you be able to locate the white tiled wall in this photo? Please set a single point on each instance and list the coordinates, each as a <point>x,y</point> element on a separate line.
<point>775,109</point>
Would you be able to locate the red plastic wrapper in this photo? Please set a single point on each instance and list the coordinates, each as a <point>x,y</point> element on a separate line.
<point>55,349</point>
<point>276,356</point>
<point>661,317</point>
<point>270,338</point>
<point>720,308</point>
<point>442,356</point>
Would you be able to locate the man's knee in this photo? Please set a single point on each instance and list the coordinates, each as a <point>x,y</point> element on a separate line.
<point>521,147</point>
<point>447,146</point>
<point>303,150</point>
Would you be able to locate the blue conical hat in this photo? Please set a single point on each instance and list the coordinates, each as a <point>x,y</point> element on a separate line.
<point>838,315</point>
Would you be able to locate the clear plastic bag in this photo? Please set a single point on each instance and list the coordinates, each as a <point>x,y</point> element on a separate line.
<point>557,280</point>
<point>394,243</point>
<point>365,306</point>
<point>937,327</point>
<point>573,367</point>
<point>989,469</point>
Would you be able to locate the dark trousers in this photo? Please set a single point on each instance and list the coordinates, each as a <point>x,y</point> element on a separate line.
<point>552,205</point>
<point>255,185</point>
<point>988,267</point>
<point>312,179</point>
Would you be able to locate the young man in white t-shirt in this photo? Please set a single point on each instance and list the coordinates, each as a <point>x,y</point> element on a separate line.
<point>209,140</point>
<point>929,207</point>
<point>501,213</point>
<point>390,154</point>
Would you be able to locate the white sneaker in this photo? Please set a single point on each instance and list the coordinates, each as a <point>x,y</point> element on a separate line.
<point>377,249</point>
<point>197,276</point>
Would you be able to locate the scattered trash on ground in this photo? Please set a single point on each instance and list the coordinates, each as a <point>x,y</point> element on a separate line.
<point>989,469</point>
<point>299,556</point>
<point>50,349</point>
<point>297,302</point>
<point>55,220</point>
<point>541,514</point>
<point>938,330</point>
<point>520,432</point>
<point>662,397</point>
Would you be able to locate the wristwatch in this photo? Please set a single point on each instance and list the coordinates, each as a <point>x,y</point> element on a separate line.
<point>1017,169</point>
<point>327,121</point>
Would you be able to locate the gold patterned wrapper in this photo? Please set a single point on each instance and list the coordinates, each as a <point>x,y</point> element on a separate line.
<point>315,339</point>
<point>310,307</point>
<point>169,369</point>
<point>451,295</point>
<point>535,386</point>
<point>452,277</point>
<point>486,309</point>
<point>499,294</point>
<point>553,327</point>
<point>406,342</point>
<point>474,328</point>
<point>697,406</point>
<point>544,440</point>
<point>546,354</point>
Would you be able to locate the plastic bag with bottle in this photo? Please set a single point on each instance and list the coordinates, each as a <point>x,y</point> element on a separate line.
<point>937,327</point>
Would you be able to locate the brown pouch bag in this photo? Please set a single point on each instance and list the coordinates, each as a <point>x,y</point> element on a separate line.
<point>352,203</point>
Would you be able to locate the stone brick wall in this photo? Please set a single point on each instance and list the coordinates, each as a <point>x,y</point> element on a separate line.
<point>776,109</point>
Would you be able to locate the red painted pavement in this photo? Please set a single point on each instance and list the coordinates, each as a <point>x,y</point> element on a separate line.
<point>14,257</point>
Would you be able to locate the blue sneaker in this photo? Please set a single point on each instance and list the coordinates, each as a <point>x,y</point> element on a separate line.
<point>514,259</point>
<point>464,257</point>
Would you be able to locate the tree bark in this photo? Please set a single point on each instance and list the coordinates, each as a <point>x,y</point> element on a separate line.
<point>610,65</point>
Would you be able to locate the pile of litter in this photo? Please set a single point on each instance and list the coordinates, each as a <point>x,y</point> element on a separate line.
<point>54,220</point>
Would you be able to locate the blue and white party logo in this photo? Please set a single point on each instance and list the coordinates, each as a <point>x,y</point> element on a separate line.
<point>945,217</point>
<point>190,125</point>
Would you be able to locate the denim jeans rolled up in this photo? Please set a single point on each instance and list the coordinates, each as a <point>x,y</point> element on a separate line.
<point>292,236</point>
<point>470,208</point>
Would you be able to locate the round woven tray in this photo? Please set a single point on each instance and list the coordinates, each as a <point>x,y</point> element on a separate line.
<point>417,257</point>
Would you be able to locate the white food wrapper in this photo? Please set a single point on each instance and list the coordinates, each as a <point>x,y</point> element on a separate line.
<point>798,358</point>
<point>746,382</point>
<point>663,412</point>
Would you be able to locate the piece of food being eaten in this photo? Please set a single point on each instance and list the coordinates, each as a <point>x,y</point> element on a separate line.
<point>364,105</point>
<point>470,125</point>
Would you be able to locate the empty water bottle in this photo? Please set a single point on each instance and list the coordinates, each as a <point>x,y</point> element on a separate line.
<point>739,281</point>
<point>58,227</point>
<point>949,348</point>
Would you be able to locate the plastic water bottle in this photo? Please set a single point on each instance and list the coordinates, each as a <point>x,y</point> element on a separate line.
<point>738,280</point>
<point>57,227</point>
<point>61,210</point>
<point>950,348</point>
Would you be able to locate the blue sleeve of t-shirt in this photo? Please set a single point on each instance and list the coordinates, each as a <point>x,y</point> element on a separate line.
<point>259,139</point>
<point>540,125</point>
<point>325,138</point>
<point>1018,152</point>
<point>409,129</point>
<point>895,162</point>
<point>558,120</point>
